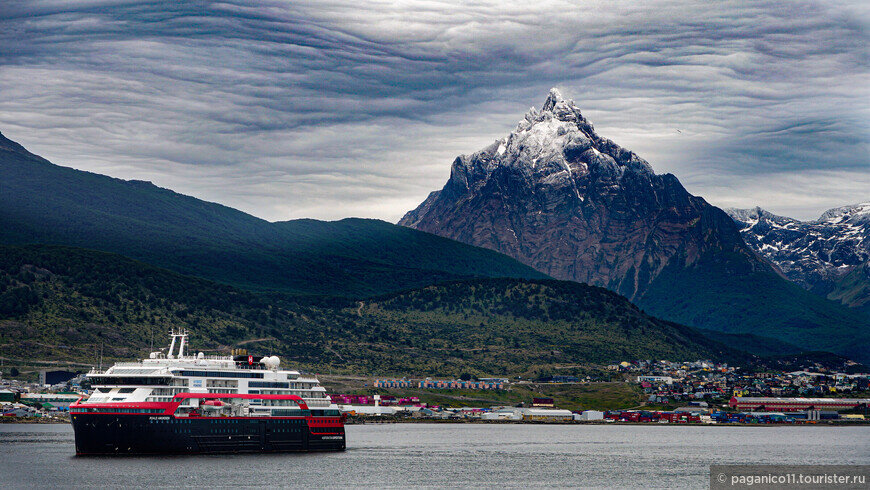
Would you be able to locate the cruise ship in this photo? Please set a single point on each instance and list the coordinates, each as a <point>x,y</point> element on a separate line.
<point>175,402</point>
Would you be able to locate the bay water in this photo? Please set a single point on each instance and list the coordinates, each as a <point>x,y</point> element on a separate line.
<point>444,455</point>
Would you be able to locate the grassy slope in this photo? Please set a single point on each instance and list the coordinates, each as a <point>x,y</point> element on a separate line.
<point>62,303</point>
<point>45,203</point>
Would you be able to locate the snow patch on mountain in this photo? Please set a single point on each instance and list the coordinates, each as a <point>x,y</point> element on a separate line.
<point>813,253</point>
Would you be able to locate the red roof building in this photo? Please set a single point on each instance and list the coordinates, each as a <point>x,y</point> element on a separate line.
<point>796,404</point>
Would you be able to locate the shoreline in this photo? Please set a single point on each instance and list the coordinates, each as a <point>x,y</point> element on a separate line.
<point>33,420</point>
<point>58,421</point>
<point>521,422</point>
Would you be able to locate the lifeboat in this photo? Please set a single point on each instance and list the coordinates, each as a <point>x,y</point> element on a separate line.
<point>212,405</point>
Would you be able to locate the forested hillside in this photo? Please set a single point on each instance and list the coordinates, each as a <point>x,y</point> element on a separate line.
<point>64,303</point>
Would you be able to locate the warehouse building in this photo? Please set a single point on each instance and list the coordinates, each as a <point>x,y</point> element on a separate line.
<point>547,415</point>
<point>796,404</point>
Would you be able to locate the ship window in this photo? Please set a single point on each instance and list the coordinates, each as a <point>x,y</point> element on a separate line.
<point>115,410</point>
<point>290,412</point>
<point>126,390</point>
<point>127,380</point>
<point>268,384</point>
<point>220,374</point>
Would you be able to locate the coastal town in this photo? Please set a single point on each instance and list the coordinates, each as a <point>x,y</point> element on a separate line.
<point>700,392</point>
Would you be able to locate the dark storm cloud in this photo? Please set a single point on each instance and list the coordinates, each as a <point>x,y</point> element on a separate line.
<point>328,109</point>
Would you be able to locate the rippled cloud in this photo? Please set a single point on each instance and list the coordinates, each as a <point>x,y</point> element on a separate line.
<point>328,109</point>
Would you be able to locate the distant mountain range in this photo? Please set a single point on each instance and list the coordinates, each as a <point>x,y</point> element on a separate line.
<point>557,196</point>
<point>45,203</point>
<point>829,256</point>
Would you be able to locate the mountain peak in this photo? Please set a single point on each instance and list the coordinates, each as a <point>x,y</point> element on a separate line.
<point>554,150</point>
<point>553,98</point>
<point>853,212</point>
<point>755,213</point>
<point>557,107</point>
<point>558,138</point>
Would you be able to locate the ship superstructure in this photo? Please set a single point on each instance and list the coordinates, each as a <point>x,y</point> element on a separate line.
<point>178,402</point>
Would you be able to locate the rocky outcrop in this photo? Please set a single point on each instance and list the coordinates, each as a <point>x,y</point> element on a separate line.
<point>559,197</point>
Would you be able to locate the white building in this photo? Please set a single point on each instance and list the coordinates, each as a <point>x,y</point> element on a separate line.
<point>502,414</point>
<point>588,415</point>
<point>368,410</point>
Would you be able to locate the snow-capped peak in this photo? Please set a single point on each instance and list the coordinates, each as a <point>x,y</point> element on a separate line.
<point>853,213</point>
<point>812,253</point>
<point>556,138</point>
<point>558,107</point>
<point>553,98</point>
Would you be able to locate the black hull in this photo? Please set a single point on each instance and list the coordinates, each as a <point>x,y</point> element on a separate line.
<point>149,434</point>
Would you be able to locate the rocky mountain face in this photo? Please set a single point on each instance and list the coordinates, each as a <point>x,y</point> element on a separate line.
<point>829,256</point>
<point>575,205</point>
<point>559,197</point>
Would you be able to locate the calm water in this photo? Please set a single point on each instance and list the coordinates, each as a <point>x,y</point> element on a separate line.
<point>400,455</point>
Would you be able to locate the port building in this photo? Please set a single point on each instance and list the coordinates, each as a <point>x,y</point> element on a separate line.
<point>547,415</point>
<point>796,404</point>
<point>589,415</point>
<point>50,401</point>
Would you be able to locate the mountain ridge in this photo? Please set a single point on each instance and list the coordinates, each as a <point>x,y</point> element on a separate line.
<point>829,256</point>
<point>41,202</point>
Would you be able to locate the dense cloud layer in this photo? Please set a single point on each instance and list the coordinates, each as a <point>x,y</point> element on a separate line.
<point>329,109</point>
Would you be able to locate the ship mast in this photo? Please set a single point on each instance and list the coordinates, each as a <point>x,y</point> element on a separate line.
<point>181,335</point>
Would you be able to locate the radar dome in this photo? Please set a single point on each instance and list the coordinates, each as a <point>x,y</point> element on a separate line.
<point>271,362</point>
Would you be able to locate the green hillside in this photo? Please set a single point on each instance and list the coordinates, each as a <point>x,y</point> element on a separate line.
<point>63,303</point>
<point>44,203</point>
<point>718,294</point>
<point>756,344</point>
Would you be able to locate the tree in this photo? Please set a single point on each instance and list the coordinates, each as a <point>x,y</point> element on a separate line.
<point>14,372</point>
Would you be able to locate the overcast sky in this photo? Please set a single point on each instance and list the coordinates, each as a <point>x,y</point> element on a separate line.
<point>328,109</point>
